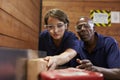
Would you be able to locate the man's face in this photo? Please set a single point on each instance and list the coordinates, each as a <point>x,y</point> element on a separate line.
<point>85,29</point>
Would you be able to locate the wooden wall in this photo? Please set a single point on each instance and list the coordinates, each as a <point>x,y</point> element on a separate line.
<point>19,23</point>
<point>77,8</point>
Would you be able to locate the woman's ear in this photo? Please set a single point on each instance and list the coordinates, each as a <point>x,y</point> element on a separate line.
<point>66,26</point>
<point>44,27</point>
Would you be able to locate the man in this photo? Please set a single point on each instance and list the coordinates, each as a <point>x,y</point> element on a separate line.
<point>97,52</point>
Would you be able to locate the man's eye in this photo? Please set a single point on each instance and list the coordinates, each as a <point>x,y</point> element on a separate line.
<point>86,26</point>
<point>79,27</point>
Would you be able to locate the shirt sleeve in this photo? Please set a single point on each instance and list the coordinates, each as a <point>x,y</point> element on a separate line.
<point>72,42</point>
<point>41,42</point>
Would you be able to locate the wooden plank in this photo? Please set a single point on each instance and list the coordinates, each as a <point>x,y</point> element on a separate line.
<point>36,3</point>
<point>7,41</point>
<point>16,30</point>
<point>80,5</point>
<point>16,9</point>
<point>84,0</point>
<point>21,65</point>
<point>102,6</point>
<point>35,67</point>
<point>60,3</point>
<point>0,3</point>
<point>76,3</point>
<point>28,9</point>
<point>19,23</point>
<point>12,27</point>
<point>103,0</point>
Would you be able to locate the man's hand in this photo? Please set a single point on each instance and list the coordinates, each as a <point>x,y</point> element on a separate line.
<point>85,64</point>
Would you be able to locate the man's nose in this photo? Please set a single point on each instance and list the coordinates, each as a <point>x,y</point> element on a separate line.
<point>83,27</point>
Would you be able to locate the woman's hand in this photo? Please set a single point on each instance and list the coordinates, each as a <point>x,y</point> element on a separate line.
<point>52,62</point>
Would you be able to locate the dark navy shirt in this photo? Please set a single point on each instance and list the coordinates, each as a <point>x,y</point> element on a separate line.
<point>106,53</point>
<point>46,43</point>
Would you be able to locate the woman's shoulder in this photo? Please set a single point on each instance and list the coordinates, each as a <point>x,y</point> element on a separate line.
<point>44,33</point>
<point>70,34</point>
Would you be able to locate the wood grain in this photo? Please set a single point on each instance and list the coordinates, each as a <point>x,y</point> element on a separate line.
<point>19,23</point>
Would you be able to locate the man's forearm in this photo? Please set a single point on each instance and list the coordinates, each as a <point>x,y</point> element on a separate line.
<point>110,73</point>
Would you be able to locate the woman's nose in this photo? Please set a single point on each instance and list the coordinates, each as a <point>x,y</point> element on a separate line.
<point>55,29</point>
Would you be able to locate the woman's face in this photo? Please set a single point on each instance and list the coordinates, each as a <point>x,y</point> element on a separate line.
<point>56,28</point>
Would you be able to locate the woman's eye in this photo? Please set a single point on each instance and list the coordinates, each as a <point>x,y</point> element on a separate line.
<point>59,25</point>
<point>50,26</point>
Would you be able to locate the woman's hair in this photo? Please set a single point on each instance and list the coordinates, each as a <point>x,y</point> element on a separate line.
<point>58,14</point>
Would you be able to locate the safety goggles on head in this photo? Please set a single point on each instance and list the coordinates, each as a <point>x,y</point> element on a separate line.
<point>84,25</point>
<point>80,26</point>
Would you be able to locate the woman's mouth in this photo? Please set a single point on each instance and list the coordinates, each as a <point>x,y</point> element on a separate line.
<point>55,35</point>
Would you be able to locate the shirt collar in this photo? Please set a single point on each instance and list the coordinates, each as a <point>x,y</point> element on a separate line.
<point>100,41</point>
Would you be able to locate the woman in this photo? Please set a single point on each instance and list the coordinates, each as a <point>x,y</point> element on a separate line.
<point>60,44</point>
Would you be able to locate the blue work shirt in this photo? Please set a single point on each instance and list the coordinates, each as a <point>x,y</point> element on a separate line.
<point>106,53</point>
<point>46,43</point>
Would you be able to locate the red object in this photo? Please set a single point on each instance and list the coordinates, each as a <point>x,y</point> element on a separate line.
<point>71,74</point>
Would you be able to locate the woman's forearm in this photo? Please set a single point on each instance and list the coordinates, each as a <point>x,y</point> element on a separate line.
<point>66,56</point>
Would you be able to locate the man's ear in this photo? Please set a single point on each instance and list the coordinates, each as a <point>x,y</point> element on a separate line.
<point>94,28</point>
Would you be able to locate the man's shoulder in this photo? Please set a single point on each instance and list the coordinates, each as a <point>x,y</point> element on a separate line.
<point>110,39</point>
<point>106,38</point>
